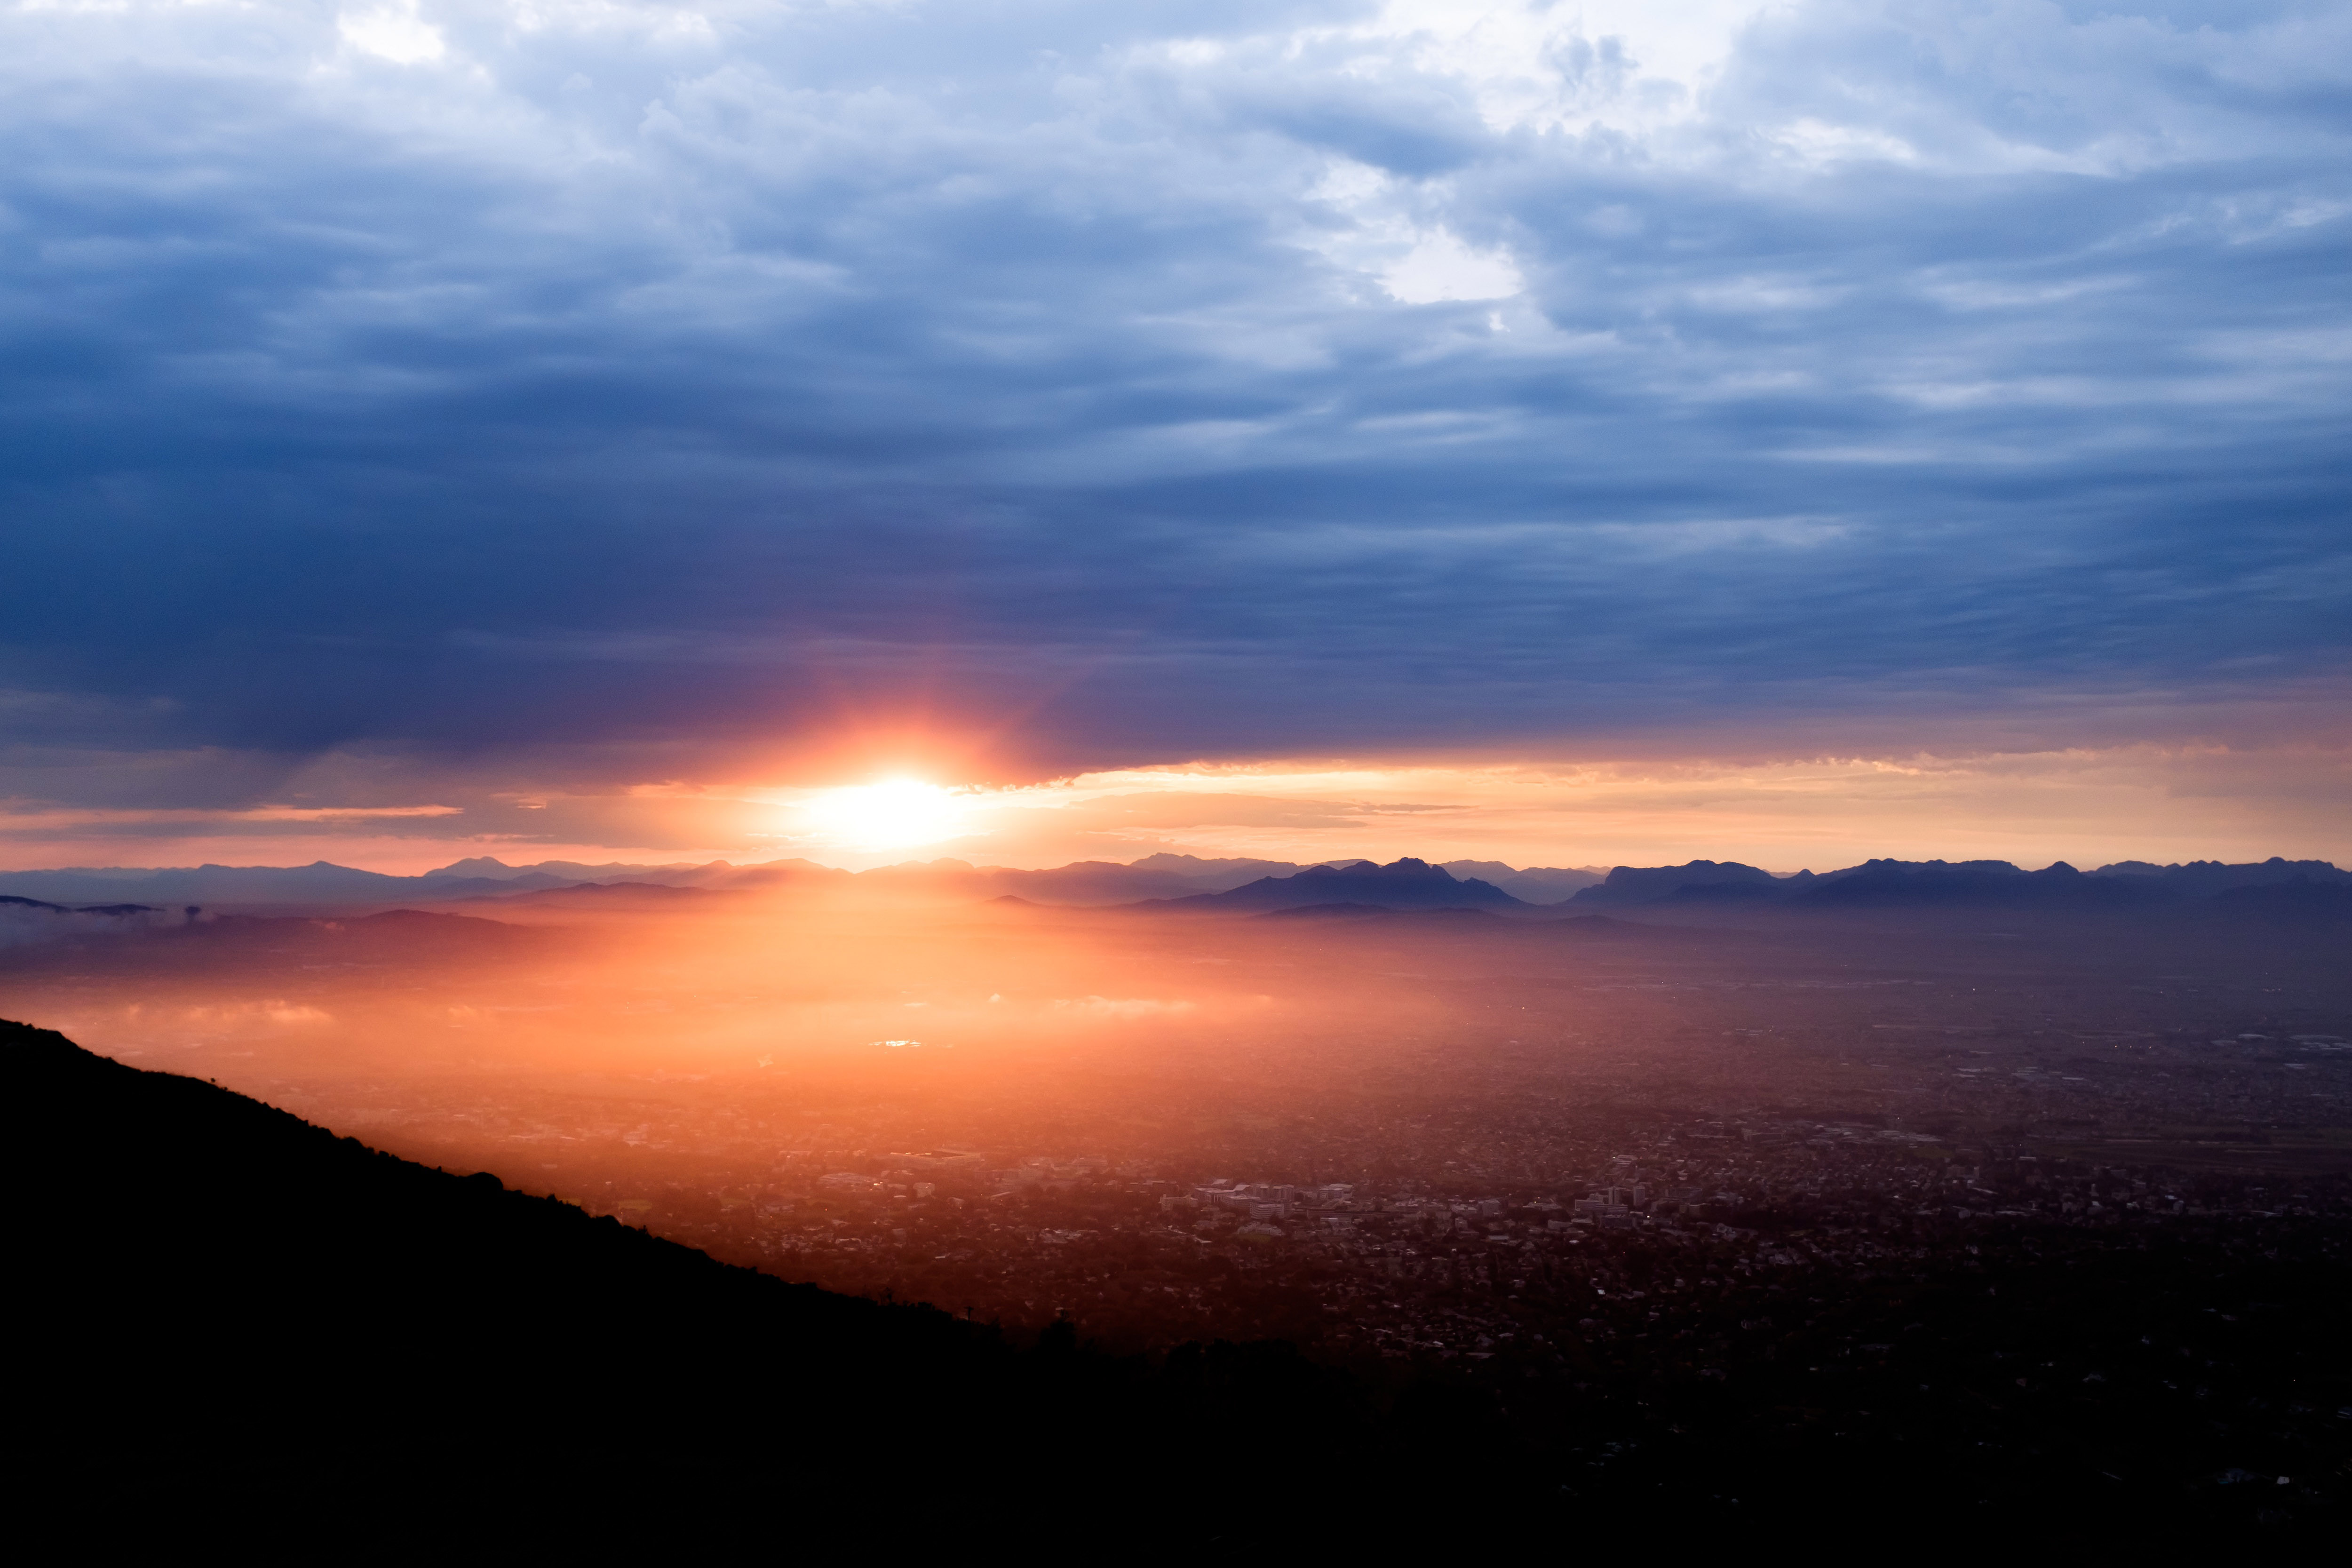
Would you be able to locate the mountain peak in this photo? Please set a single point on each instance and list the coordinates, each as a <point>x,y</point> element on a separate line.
<point>1407,868</point>
<point>474,866</point>
<point>1408,883</point>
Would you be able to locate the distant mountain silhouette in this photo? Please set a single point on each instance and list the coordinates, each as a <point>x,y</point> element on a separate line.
<point>1159,877</point>
<point>1631,885</point>
<point>324,883</point>
<point>1406,884</point>
<point>1209,875</point>
<point>320,882</point>
<point>1934,884</point>
<point>2205,878</point>
<point>36,921</point>
<point>489,868</point>
<point>1991,884</point>
<point>1535,885</point>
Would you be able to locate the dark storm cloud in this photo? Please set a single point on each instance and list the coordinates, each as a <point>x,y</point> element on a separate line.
<point>1136,383</point>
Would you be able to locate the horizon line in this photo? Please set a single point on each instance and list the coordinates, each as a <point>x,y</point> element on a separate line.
<point>1333,860</point>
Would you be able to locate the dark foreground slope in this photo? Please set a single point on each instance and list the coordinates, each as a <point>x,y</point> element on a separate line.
<point>238,1326</point>
<point>232,1312</point>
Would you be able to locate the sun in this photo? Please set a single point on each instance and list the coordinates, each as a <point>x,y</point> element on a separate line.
<point>891,815</point>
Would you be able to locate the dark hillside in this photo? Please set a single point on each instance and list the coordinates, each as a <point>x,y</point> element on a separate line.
<point>208,1253</point>
<point>225,1297</point>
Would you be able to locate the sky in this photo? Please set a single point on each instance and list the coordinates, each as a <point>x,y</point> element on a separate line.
<point>1564,434</point>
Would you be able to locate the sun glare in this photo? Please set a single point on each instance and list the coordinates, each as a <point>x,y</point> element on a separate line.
<point>892,815</point>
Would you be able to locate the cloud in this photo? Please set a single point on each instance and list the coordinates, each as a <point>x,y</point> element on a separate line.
<point>563,397</point>
<point>393,33</point>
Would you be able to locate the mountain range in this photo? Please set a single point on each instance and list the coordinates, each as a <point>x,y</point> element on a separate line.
<point>1993,884</point>
<point>1406,884</point>
<point>1186,883</point>
<point>1082,883</point>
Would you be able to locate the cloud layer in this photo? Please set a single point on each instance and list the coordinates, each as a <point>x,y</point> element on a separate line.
<point>578,396</point>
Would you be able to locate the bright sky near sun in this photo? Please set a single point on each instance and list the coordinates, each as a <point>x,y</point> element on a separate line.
<point>894,813</point>
<point>2089,807</point>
